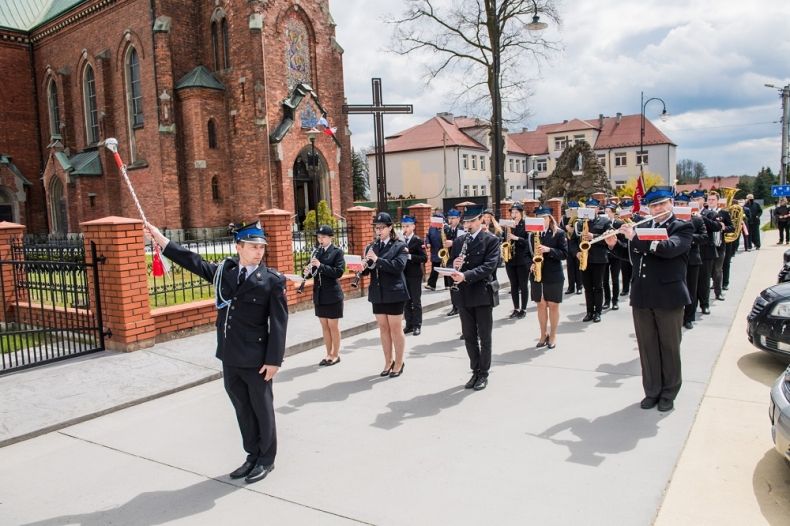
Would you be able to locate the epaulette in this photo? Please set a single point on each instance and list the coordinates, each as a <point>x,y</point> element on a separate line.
<point>278,274</point>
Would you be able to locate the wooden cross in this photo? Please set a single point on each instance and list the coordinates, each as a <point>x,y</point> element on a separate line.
<point>378,109</point>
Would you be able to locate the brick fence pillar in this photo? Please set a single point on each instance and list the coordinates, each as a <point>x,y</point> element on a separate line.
<point>529,206</point>
<point>124,281</point>
<point>555,203</point>
<point>9,232</point>
<point>280,249</point>
<point>422,214</point>
<point>600,196</point>
<point>360,228</point>
<point>504,209</point>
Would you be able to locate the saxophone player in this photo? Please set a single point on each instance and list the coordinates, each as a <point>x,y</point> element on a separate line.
<point>597,258</point>
<point>434,242</point>
<point>455,231</point>
<point>572,265</point>
<point>476,295</point>
<point>722,216</point>
<point>517,267</point>
<point>547,292</point>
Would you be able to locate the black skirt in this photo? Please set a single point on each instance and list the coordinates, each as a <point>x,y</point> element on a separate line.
<point>391,309</point>
<point>332,311</point>
<point>549,291</point>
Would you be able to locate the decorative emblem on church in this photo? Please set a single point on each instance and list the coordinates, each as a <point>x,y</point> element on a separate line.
<point>297,52</point>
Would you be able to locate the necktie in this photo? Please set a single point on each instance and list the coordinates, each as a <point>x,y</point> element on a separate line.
<point>242,275</point>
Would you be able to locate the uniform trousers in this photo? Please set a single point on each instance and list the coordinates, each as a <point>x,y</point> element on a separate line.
<point>784,231</point>
<point>519,285</point>
<point>476,326</point>
<point>592,278</point>
<point>574,274</point>
<point>703,283</point>
<point>627,270</point>
<point>253,401</point>
<point>692,282</point>
<point>612,293</point>
<point>725,266</point>
<point>658,335</point>
<point>754,233</point>
<point>718,273</point>
<point>412,313</point>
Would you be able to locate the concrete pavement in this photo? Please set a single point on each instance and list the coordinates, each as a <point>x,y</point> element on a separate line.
<point>557,438</point>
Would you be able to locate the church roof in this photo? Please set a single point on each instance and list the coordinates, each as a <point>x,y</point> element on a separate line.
<point>6,161</point>
<point>24,15</point>
<point>200,77</point>
<point>84,163</point>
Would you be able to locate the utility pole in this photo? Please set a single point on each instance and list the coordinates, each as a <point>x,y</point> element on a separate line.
<point>785,92</point>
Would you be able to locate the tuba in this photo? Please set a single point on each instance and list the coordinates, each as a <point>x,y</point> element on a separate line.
<point>736,213</point>
<point>584,246</point>
<point>537,258</point>
<point>444,252</point>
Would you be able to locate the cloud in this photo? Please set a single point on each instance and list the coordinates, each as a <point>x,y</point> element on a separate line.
<point>707,59</point>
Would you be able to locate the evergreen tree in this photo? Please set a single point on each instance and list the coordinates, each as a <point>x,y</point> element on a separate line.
<point>359,174</point>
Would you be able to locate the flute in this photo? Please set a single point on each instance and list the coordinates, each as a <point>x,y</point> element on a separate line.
<point>611,233</point>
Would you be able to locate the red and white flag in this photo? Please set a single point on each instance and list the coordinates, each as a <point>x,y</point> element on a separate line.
<point>639,194</point>
<point>682,212</point>
<point>651,234</point>
<point>534,224</point>
<point>437,222</point>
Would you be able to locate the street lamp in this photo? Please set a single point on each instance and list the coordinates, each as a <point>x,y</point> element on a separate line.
<point>785,123</point>
<point>664,116</point>
<point>533,175</point>
<point>312,166</point>
<point>497,141</point>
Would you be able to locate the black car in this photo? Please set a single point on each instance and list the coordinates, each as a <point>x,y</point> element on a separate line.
<point>768,326</point>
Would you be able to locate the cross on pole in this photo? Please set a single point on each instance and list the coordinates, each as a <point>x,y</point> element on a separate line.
<point>378,109</point>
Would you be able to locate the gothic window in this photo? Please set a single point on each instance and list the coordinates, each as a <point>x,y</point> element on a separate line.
<point>212,134</point>
<point>297,52</point>
<point>225,44</point>
<point>215,45</point>
<point>89,105</point>
<point>133,90</point>
<point>54,109</point>
<point>215,189</point>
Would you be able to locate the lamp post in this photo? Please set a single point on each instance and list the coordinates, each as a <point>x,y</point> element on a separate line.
<point>664,116</point>
<point>497,140</point>
<point>533,175</point>
<point>312,166</point>
<point>785,124</point>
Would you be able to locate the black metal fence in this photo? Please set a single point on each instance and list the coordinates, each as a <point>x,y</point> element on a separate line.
<point>48,310</point>
<point>305,241</point>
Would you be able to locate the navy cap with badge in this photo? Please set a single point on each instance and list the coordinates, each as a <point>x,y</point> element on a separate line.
<point>543,211</point>
<point>696,194</point>
<point>590,203</point>
<point>573,204</point>
<point>325,230</point>
<point>471,216</point>
<point>659,194</point>
<point>453,213</point>
<point>252,233</point>
<point>408,220</point>
<point>383,218</point>
<point>612,207</point>
<point>682,198</point>
<point>627,203</point>
<point>517,206</point>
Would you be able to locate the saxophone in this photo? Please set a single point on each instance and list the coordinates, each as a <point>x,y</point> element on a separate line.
<point>507,247</point>
<point>444,252</point>
<point>584,246</point>
<point>537,259</point>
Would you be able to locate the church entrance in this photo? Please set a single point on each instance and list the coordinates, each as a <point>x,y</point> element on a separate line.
<point>58,220</point>
<point>309,182</point>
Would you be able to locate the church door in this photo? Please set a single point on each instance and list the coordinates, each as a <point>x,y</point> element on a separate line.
<point>308,175</point>
<point>58,218</point>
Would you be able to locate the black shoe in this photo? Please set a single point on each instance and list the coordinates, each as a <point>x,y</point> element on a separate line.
<point>605,306</point>
<point>481,383</point>
<point>550,345</point>
<point>625,293</point>
<point>408,329</point>
<point>453,312</point>
<point>615,306</point>
<point>513,314</point>
<point>688,325</point>
<point>242,471</point>
<point>648,403</point>
<point>725,287</point>
<point>472,381</point>
<point>386,372</point>
<point>578,291</point>
<point>395,374</point>
<point>462,337</point>
<point>589,317</point>
<point>705,310</point>
<point>597,317</point>
<point>569,291</point>
<point>720,297</point>
<point>542,343</point>
<point>417,331</point>
<point>323,362</point>
<point>665,404</point>
<point>521,314</point>
<point>330,363</point>
<point>259,472</point>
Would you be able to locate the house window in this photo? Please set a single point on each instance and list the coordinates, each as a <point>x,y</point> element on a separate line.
<point>560,143</point>
<point>215,45</point>
<point>510,165</point>
<point>225,44</point>
<point>215,189</point>
<point>602,159</point>
<point>212,134</point>
<point>466,190</point>
<point>482,163</point>
<point>89,105</point>
<point>541,165</point>
<point>474,190</point>
<point>641,158</point>
<point>466,161</point>
<point>578,139</point>
<point>54,108</point>
<point>133,92</point>
<point>483,189</point>
<point>511,189</point>
<point>620,159</point>
<point>474,162</point>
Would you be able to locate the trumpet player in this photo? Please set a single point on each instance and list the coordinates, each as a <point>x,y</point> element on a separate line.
<point>326,267</point>
<point>517,267</point>
<point>597,258</point>
<point>547,292</point>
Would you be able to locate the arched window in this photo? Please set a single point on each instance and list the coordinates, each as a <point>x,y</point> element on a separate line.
<point>89,105</point>
<point>214,188</point>
<point>215,44</point>
<point>225,44</point>
<point>212,134</point>
<point>54,108</point>
<point>134,93</point>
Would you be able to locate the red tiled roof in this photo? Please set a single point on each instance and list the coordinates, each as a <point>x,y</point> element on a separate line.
<point>433,133</point>
<point>706,183</point>
<point>572,125</point>
<point>469,122</point>
<point>531,142</point>
<point>513,146</point>
<point>626,133</point>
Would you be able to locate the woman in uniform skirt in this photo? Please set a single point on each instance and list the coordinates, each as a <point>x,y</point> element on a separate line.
<point>547,292</point>
<point>385,261</point>
<point>327,266</point>
<point>518,267</point>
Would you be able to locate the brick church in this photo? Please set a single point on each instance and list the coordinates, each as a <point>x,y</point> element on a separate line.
<point>209,99</point>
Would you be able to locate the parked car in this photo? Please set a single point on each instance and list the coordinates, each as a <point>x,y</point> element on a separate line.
<point>768,323</point>
<point>779,413</point>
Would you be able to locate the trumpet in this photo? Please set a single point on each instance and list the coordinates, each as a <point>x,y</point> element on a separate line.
<point>308,271</point>
<point>443,253</point>
<point>537,259</point>
<point>584,246</point>
<point>611,233</point>
<point>368,266</point>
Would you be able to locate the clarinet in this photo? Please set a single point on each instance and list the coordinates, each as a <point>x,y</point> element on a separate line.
<point>308,270</point>
<point>368,266</point>
<point>462,255</point>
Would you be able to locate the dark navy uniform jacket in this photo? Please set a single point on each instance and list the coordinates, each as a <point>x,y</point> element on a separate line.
<point>520,254</point>
<point>416,258</point>
<point>251,327</point>
<point>598,251</point>
<point>387,282</point>
<point>326,289</point>
<point>482,257</point>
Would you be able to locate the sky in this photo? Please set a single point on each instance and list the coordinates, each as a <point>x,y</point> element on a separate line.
<point>708,60</point>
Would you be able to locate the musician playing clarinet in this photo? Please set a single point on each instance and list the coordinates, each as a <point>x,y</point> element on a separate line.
<point>327,266</point>
<point>474,257</point>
